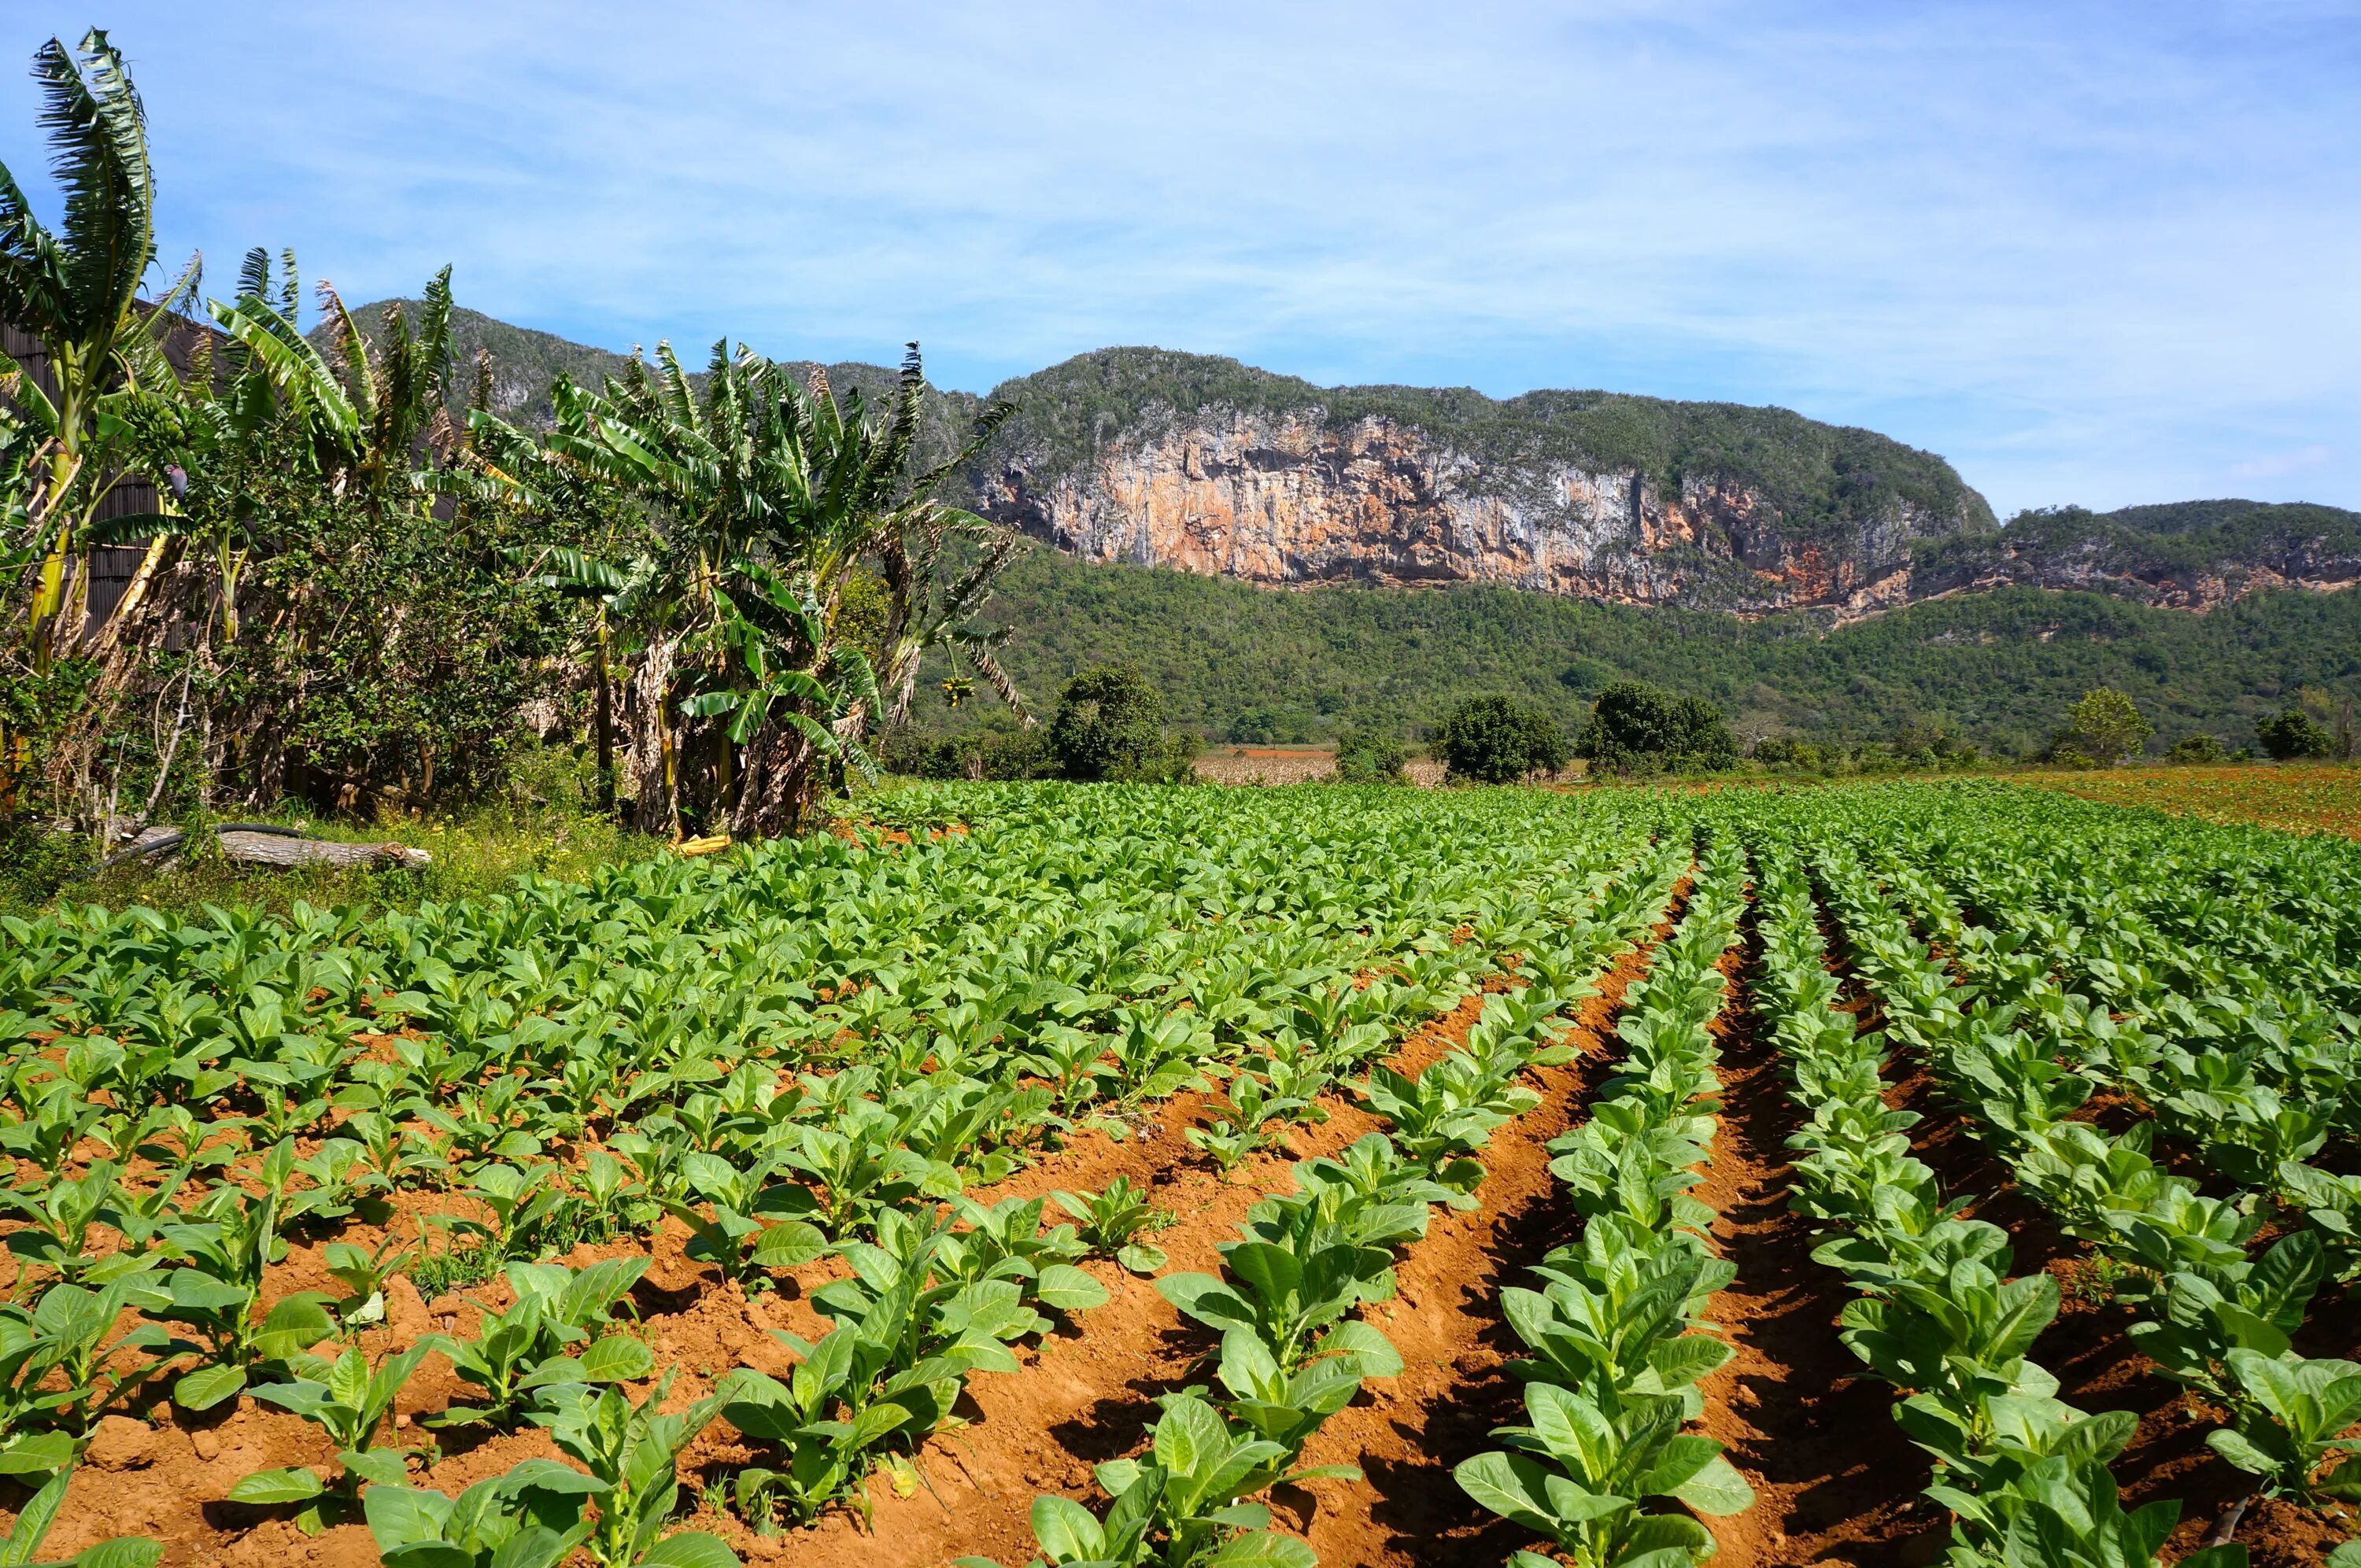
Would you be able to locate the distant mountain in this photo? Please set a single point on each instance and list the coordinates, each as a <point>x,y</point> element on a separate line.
<point>1246,665</point>
<point>525,363</point>
<point>2181,556</point>
<point>1181,460</point>
<point>1207,465</point>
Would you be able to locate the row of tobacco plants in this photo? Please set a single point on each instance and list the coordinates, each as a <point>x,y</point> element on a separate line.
<point>804,1053</point>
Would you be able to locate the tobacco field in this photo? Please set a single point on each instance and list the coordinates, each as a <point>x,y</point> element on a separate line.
<point>1900,1174</point>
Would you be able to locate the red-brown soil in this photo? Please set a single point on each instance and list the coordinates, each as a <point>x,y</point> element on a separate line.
<point>1087,1394</point>
<point>1833,1480</point>
<point>1079,1398</point>
<point>1836,1481</point>
<point>1407,1433</point>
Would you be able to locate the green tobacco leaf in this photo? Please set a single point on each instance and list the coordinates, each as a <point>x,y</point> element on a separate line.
<point>124,1551</point>
<point>549,1476</point>
<point>1515,1488</point>
<point>382,1466</point>
<point>1262,1550</point>
<point>38,1454</point>
<point>1069,1289</point>
<point>207,1386</point>
<point>690,1549</point>
<point>266,1487</point>
<point>1067,1531</point>
<point>618,1359</point>
<point>1679,1361</point>
<point>296,1323</point>
<point>789,1246</point>
<point>1717,1489</point>
<point>2240,1452</point>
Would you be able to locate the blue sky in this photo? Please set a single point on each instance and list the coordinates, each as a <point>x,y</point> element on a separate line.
<point>2103,254</point>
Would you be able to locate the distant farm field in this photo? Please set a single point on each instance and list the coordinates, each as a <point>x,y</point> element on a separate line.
<point>2297,798</point>
<point>1201,1177</point>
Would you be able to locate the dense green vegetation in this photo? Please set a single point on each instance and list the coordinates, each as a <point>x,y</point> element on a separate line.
<point>1498,739</point>
<point>722,584</point>
<point>2149,541</point>
<point>819,1057</point>
<point>1248,665</point>
<point>1637,727</point>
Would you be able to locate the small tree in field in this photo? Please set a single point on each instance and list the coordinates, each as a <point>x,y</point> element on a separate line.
<point>1635,726</point>
<point>1498,739</point>
<point>1110,725</point>
<point>2105,726</point>
<point>1369,756</point>
<point>2293,736</point>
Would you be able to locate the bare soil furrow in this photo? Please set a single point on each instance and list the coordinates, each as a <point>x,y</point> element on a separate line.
<point>1833,1481</point>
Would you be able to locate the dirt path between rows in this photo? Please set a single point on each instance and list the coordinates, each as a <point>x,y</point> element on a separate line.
<point>1834,1481</point>
<point>1407,1433</point>
<point>167,1480</point>
<point>1091,1396</point>
<point>1087,1395</point>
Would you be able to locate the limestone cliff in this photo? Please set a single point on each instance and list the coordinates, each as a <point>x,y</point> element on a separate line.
<point>1208,467</point>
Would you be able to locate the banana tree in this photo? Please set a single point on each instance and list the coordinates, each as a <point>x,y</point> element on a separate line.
<point>768,497</point>
<point>240,436</point>
<point>613,591</point>
<point>76,290</point>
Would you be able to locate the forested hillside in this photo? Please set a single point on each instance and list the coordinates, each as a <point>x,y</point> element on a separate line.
<point>1245,664</point>
<point>2186,555</point>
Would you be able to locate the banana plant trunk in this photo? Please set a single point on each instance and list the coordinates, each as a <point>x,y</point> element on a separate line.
<point>648,747</point>
<point>134,596</point>
<point>48,595</point>
<point>785,775</point>
<point>606,719</point>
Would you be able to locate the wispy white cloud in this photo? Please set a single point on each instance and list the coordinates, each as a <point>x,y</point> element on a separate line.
<point>2092,253</point>
<point>2279,464</point>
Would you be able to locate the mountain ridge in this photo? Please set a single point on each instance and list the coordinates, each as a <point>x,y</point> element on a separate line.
<point>1206,464</point>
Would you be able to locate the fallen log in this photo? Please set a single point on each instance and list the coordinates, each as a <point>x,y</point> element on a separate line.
<point>288,853</point>
<point>281,849</point>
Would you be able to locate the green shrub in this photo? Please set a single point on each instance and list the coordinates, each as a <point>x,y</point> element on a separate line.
<point>1498,739</point>
<point>1369,756</point>
<point>1786,752</point>
<point>2198,748</point>
<point>1639,728</point>
<point>2293,735</point>
<point>997,752</point>
<point>1110,725</point>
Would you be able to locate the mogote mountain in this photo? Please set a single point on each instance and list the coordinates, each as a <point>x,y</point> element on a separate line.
<point>1209,465</point>
<point>1205,464</point>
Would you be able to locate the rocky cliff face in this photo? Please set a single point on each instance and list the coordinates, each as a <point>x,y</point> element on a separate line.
<point>1296,496</point>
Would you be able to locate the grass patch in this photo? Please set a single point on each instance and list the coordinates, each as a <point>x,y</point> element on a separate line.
<point>477,852</point>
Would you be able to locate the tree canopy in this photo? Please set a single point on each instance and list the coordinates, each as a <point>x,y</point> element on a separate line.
<point>1637,726</point>
<point>1498,739</point>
